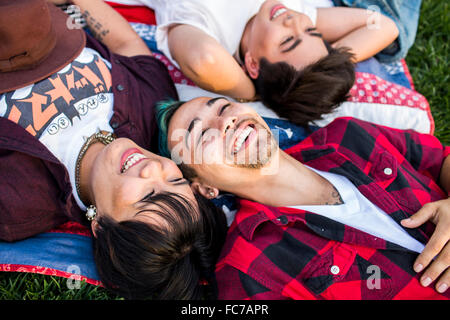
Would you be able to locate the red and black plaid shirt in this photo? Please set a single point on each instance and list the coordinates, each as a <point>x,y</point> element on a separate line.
<point>286,253</point>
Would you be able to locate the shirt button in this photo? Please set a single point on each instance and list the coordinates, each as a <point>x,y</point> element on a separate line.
<point>335,270</point>
<point>387,171</point>
<point>120,87</point>
<point>114,125</point>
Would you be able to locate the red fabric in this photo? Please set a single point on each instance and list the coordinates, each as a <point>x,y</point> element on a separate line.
<point>286,253</point>
<point>141,14</point>
<point>72,228</point>
<point>46,271</point>
<point>373,89</point>
<point>407,73</point>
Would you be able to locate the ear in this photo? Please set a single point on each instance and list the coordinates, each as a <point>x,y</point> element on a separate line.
<point>94,226</point>
<point>251,65</point>
<point>206,191</point>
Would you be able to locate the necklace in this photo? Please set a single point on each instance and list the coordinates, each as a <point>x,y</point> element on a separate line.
<point>105,138</point>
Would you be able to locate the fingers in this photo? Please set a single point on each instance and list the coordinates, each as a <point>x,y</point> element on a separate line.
<point>426,213</point>
<point>433,248</point>
<point>437,248</point>
<point>439,268</point>
<point>443,282</point>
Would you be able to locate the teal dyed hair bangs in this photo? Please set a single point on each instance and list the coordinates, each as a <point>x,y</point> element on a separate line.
<point>164,112</point>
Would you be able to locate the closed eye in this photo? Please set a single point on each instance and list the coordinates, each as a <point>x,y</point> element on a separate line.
<point>287,40</point>
<point>201,136</point>
<point>223,108</point>
<point>293,46</point>
<point>148,197</point>
<point>311,32</point>
<point>179,181</point>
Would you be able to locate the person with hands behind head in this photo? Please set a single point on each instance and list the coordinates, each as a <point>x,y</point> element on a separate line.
<point>77,131</point>
<point>297,58</point>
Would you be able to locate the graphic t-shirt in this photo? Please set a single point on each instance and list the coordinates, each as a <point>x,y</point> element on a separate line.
<point>65,108</point>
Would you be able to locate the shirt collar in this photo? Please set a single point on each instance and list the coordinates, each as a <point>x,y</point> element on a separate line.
<point>252,214</point>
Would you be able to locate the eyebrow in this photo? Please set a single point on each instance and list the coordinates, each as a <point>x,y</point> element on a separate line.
<point>213,100</point>
<point>293,46</point>
<point>191,126</point>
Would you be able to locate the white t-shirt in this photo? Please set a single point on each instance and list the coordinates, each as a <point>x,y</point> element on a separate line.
<point>224,20</point>
<point>358,212</point>
<point>62,110</point>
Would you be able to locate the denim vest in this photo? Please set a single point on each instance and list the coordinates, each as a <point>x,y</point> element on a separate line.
<point>405,13</point>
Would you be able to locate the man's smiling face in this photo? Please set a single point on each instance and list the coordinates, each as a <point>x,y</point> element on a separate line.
<point>279,34</point>
<point>220,139</point>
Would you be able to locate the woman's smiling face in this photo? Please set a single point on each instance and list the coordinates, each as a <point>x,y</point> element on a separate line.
<point>125,176</point>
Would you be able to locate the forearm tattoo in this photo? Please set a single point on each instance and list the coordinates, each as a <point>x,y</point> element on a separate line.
<point>95,27</point>
<point>336,198</point>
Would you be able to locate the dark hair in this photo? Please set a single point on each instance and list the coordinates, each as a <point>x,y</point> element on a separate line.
<point>302,96</point>
<point>164,111</point>
<point>188,172</point>
<point>138,260</point>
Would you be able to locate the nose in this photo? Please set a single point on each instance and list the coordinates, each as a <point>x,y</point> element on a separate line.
<point>226,123</point>
<point>152,169</point>
<point>295,21</point>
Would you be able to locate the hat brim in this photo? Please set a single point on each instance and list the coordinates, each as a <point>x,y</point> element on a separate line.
<point>69,44</point>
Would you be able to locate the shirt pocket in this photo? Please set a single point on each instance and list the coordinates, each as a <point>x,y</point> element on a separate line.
<point>390,175</point>
<point>384,169</point>
<point>338,272</point>
<point>328,267</point>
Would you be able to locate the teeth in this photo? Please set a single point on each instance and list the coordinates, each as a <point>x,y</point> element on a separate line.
<point>279,12</point>
<point>131,160</point>
<point>240,140</point>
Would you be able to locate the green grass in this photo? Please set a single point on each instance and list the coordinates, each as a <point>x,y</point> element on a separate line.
<point>27,286</point>
<point>428,61</point>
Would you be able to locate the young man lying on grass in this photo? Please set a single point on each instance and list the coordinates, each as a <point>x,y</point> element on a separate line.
<point>355,211</point>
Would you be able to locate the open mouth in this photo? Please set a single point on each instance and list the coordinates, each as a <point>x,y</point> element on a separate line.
<point>243,137</point>
<point>130,158</point>
<point>277,11</point>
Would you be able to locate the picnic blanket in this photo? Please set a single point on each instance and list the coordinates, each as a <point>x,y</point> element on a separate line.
<point>382,93</point>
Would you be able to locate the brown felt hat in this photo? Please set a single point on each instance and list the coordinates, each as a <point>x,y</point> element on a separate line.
<point>36,40</point>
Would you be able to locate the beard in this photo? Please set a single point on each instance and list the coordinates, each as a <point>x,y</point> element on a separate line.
<point>258,155</point>
<point>255,153</point>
